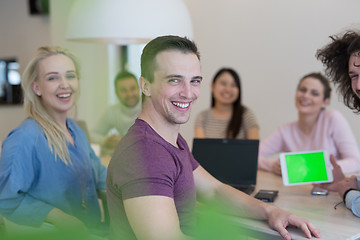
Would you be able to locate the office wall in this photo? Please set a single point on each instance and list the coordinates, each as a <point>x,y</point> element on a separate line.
<point>271,43</point>
<point>93,59</point>
<point>20,35</point>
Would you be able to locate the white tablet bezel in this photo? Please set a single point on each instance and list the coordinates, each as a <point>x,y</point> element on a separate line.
<point>284,171</point>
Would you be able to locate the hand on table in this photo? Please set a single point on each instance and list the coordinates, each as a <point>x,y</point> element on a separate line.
<point>346,184</point>
<point>338,176</point>
<point>340,183</point>
<point>280,219</point>
<point>340,186</point>
<point>276,167</point>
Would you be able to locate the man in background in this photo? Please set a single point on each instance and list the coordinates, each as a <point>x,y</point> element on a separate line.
<point>116,121</point>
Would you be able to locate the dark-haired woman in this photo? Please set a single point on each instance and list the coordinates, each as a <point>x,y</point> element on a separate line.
<point>227,117</point>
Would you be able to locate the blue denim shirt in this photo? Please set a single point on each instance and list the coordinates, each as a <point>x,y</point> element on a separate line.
<point>32,182</point>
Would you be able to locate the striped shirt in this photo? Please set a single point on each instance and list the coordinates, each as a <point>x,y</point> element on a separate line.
<point>216,128</point>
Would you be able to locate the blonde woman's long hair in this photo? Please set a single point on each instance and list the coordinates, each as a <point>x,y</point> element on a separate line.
<point>34,108</point>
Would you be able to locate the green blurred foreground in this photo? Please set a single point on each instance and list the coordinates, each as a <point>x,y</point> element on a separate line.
<point>212,224</point>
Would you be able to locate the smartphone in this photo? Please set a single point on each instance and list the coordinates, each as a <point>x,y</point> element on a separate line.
<point>266,195</point>
<point>319,191</point>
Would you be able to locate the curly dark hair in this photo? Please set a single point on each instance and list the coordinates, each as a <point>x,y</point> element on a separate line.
<point>335,56</point>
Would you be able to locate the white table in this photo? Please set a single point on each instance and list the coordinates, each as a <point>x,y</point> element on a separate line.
<point>337,223</point>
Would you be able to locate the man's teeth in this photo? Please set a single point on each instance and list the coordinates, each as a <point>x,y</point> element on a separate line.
<point>64,95</point>
<point>181,105</point>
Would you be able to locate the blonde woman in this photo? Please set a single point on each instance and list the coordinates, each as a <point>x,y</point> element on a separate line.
<point>48,171</point>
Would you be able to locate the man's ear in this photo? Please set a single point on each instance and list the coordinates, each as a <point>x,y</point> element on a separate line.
<point>35,88</point>
<point>145,86</point>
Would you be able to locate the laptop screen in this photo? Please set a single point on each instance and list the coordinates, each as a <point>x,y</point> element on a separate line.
<point>232,161</point>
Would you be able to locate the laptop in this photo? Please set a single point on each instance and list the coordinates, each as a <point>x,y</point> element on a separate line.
<point>232,161</point>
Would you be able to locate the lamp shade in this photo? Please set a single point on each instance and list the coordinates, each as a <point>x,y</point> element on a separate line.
<point>127,21</point>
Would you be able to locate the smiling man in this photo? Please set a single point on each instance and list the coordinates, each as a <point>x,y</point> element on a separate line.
<point>120,116</point>
<point>153,180</point>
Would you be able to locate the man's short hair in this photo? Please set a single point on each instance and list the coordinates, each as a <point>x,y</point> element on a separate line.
<point>123,75</point>
<point>163,43</point>
<point>335,56</point>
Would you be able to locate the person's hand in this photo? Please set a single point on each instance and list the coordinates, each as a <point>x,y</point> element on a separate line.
<point>338,175</point>
<point>337,172</point>
<point>112,141</point>
<point>346,184</point>
<point>276,167</point>
<point>280,219</point>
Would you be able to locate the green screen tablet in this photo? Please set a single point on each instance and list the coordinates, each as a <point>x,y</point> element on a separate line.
<point>305,167</point>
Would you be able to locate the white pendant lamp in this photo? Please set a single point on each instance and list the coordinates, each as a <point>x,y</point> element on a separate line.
<point>125,22</point>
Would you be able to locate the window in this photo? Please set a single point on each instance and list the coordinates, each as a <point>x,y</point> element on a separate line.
<point>10,88</point>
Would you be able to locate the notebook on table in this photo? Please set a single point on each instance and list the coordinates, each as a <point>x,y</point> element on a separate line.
<point>232,161</point>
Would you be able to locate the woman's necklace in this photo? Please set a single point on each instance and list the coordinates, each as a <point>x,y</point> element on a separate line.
<point>82,185</point>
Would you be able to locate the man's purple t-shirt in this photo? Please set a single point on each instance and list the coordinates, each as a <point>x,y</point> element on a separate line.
<point>146,164</point>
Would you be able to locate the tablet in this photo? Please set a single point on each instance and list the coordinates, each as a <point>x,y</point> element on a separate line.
<point>305,167</point>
